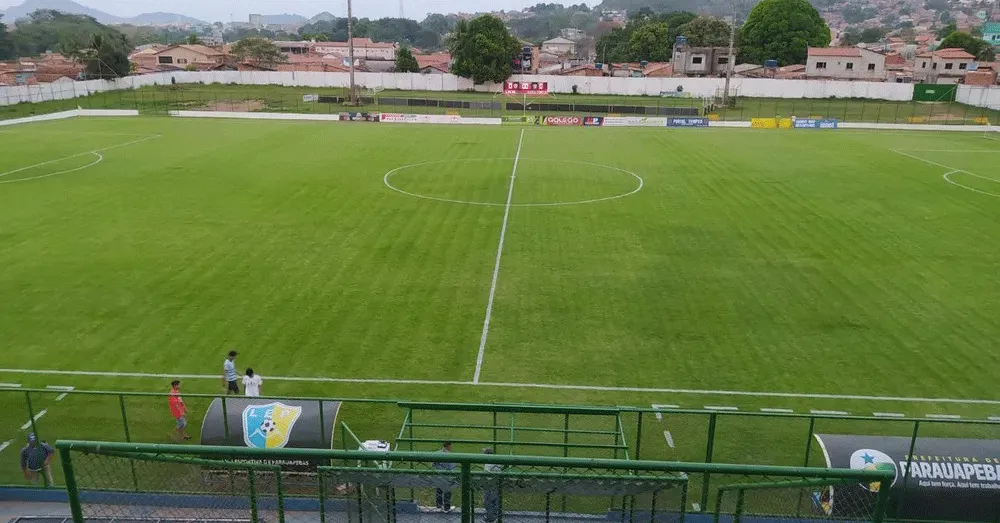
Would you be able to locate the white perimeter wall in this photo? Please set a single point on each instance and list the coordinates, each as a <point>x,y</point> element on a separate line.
<point>988,97</point>
<point>697,87</point>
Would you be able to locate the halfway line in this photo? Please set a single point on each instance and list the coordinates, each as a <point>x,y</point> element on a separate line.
<point>496,267</point>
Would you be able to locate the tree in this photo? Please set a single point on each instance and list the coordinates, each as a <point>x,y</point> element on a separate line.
<point>258,51</point>
<point>7,51</point>
<point>50,30</point>
<point>782,30</point>
<point>850,37</point>
<point>483,49</point>
<point>104,56</point>
<point>977,47</point>
<point>405,62</point>
<point>650,41</point>
<point>873,34</point>
<point>706,31</point>
<point>193,39</point>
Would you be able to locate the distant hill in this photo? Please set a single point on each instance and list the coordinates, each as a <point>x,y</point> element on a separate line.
<point>160,18</point>
<point>67,6</point>
<point>285,18</point>
<point>325,16</point>
<point>71,7</point>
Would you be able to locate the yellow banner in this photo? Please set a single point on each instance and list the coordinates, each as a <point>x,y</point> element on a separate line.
<point>764,123</point>
<point>785,123</point>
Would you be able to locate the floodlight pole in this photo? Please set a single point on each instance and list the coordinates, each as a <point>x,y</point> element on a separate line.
<point>352,94</point>
<point>729,59</point>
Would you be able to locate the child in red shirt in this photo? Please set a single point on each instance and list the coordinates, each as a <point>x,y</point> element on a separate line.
<point>178,410</point>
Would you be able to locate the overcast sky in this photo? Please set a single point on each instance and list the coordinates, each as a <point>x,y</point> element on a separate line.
<point>225,10</point>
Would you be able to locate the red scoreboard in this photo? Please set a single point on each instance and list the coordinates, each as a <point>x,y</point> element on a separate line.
<point>530,88</point>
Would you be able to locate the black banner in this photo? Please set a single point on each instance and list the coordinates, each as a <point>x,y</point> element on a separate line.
<point>271,424</point>
<point>358,117</point>
<point>949,479</point>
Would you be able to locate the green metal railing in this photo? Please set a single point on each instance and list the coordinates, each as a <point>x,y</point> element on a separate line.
<point>708,436</point>
<point>85,464</point>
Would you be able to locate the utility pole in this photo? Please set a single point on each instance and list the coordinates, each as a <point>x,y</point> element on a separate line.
<point>353,94</point>
<point>730,59</point>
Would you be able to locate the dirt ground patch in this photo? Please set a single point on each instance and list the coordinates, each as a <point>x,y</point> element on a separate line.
<point>235,106</point>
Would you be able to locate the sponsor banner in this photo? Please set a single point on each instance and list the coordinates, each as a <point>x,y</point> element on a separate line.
<point>271,424</point>
<point>529,88</point>
<point>358,117</point>
<point>521,120</point>
<point>814,123</point>
<point>418,118</point>
<point>764,123</point>
<point>563,120</point>
<point>634,121</point>
<point>310,98</point>
<point>593,121</point>
<point>687,122</point>
<point>949,479</point>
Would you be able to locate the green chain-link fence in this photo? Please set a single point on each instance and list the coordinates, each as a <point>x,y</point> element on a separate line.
<point>129,482</point>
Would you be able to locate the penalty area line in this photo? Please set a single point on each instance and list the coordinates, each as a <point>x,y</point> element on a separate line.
<point>544,386</point>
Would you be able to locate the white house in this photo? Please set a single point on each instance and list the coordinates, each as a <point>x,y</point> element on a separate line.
<point>944,66</point>
<point>845,63</point>
<point>559,46</point>
<point>364,49</point>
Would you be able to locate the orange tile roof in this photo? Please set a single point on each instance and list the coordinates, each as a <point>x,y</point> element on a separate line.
<point>425,60</point>
<point>952,53</point>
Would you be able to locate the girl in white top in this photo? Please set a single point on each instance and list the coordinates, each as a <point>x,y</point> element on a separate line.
<point>252,383</point>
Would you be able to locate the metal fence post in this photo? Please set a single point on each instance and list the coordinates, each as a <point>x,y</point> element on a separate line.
<point>708,459</point>
<point>72,491</point>
<point>254,518</point>
<point>467,493</point>
<point>740,498</point>
<point>882,502</point>
<point>909,463</point>
<point>805,462</point>
<point>281,495</point>
<point>322,497</point>
<point>128,439</point>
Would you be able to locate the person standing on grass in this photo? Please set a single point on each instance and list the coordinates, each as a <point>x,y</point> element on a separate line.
<point>229,376</point>
<point>35,459</point>
<point>252,383</point>
<point>442,498</point>
<point>178,410</point>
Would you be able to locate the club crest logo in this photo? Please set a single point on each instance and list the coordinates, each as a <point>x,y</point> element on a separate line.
<point>269,426</point>
<point>868,459</point>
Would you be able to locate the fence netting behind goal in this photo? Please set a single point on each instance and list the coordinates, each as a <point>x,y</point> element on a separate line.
<point>163,487</point>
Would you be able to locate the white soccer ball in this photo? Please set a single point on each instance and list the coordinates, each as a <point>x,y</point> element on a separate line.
<point>268,426</point>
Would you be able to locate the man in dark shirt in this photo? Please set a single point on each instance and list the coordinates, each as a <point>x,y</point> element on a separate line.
<point>442,498</point>
<point>35,459</point>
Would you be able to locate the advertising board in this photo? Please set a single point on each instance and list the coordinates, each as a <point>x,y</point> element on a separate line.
<point>521,120</point>
<point>593,121</point>
<point>949,479</point>
<point>687,122</point>
<point>634,121</point>
<point>563,120</point>
<point>815,123</point>
<point>358,117</point>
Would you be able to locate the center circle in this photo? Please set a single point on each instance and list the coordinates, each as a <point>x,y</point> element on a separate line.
<point>605,181</point>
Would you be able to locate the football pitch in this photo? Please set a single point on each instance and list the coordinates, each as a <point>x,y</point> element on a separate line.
<point>801,270</point>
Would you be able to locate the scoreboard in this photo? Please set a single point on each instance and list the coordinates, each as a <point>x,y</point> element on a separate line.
<point>529,88</point>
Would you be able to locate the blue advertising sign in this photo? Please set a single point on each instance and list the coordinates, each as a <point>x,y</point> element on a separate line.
<point>812,123</point>
<point>687,122</point>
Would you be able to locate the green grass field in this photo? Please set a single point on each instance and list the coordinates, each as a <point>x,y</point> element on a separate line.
<point>753,269</point>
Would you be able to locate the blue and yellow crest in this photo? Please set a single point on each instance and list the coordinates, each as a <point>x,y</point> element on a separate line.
<point>269,426</point>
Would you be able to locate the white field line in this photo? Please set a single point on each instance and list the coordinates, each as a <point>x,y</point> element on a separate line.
<point>544,386</point>
<point>993,418</point>
<point>888,415</point>
<point>829,412</point>
<point>10,385</point>
<point>720,407</point>
<point>778,411</point>
<point>4,445</point>
<point>669,438</point>
<point>944,416</point>
<point>37,417</point>
<point>95,152</point>
<point>66,390</point>
<point>496,266</point>
<point>952,171</point>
